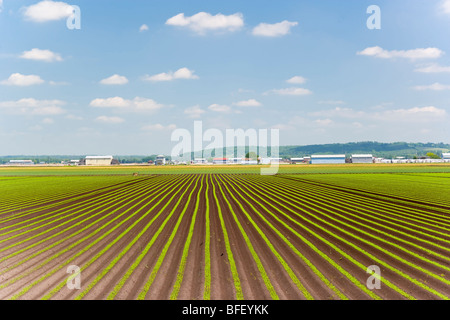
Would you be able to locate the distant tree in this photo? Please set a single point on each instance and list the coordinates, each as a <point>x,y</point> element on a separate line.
<point>251,155</point>
<point>433,155</point>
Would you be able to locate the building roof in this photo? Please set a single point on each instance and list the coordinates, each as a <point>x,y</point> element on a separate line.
<point>446,155</point>
<point>99,157</point>
<point>328,156</point>
<point>362,156</point>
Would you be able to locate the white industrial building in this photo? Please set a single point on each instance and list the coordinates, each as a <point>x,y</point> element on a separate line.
<point>362,158</point>
<point>270,160</point>
<point>328,159</point>
<point>21,162</point>
<point>99,160</point>
<point>160,160</point>
<point>297,160</point>
<point>446,157</point>
<point>200,161</point>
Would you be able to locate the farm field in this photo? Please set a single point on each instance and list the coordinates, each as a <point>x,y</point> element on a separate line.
<point>227,236</point>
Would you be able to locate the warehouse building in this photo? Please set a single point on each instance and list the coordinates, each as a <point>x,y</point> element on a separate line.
<point>21,162</point>
<point>297,160</point>
<point>160,160</point>
<point>362,158</point>
<point>220,160</point>
<point>328,159</point>
<point>98,160</point>
<point>446,157</point>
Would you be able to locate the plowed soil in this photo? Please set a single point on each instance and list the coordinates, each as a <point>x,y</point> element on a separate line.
<point>269,237</point>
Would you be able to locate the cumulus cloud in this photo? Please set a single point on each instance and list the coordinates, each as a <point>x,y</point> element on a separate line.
<point>420,53</point>
<point>296,80</point>
<point>110,120</point>
<point>335,102</point>
<point>138,104</point>
<point>31,106</point>
<point>203,22</point>
<point>41,55</point>
<point>433,68</point>
<point>220,108</point>
<point>194,112</point>
<point>182,73</point>
<point>48,11</point>
<point>291,91</point>
<point>158,127</point>
<point>144,27</point>
<point>273,30</point>
<point>415,114</point>
<point>115,80</point>
<point>17,79</point>
<point>248,103</point>
<point>435,87</point>
<point>445,6</point>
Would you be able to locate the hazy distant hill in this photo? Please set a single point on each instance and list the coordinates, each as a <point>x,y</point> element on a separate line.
<point>377,149</point>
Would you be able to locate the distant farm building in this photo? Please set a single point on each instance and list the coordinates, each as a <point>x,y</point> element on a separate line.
<point>446,157</point>
<point>200,161</point>
<point>74,162</point>
<point>362,158</point>
<point>21,162</point>
<point>270,160</point>
<point>160,160</point>
<point>297,160</point>
<point>328,159</point>
<point>99,160</point>
<point>220,160</point>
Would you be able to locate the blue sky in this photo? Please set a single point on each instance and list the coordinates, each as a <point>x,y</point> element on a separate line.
<point>137,70</point>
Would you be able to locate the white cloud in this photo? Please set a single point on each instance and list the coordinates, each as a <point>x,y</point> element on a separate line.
<point>115,80</point>
<point>48,121</point>
<point>17,79</point>
<point>248,103</point>
<point>30,106</point>
<point>182,73</point>
<point>203,22</point>
<point>220,108</point>
<point>421,53</point>
<point>138,104</point>
<point>73,117</point>
<point>58,83</point>
<point>158,127</point>
<point>41,55</point>
<point>332,102</point>
<point>445,6</point>
<point>435,86</point>
<point>273,30</point>
<point>110,120</point>
<point>194,112</point>
<point>1,5</point>
<point>48,11</point>
<point>296,80</point>
<point>291,91</point>
<point>144,27</point>
<point>324,122</point>
<point>433,68</point>
<point>415,114</point>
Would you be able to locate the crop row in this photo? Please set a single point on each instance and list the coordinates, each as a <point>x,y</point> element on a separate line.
<point>214,236</point>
